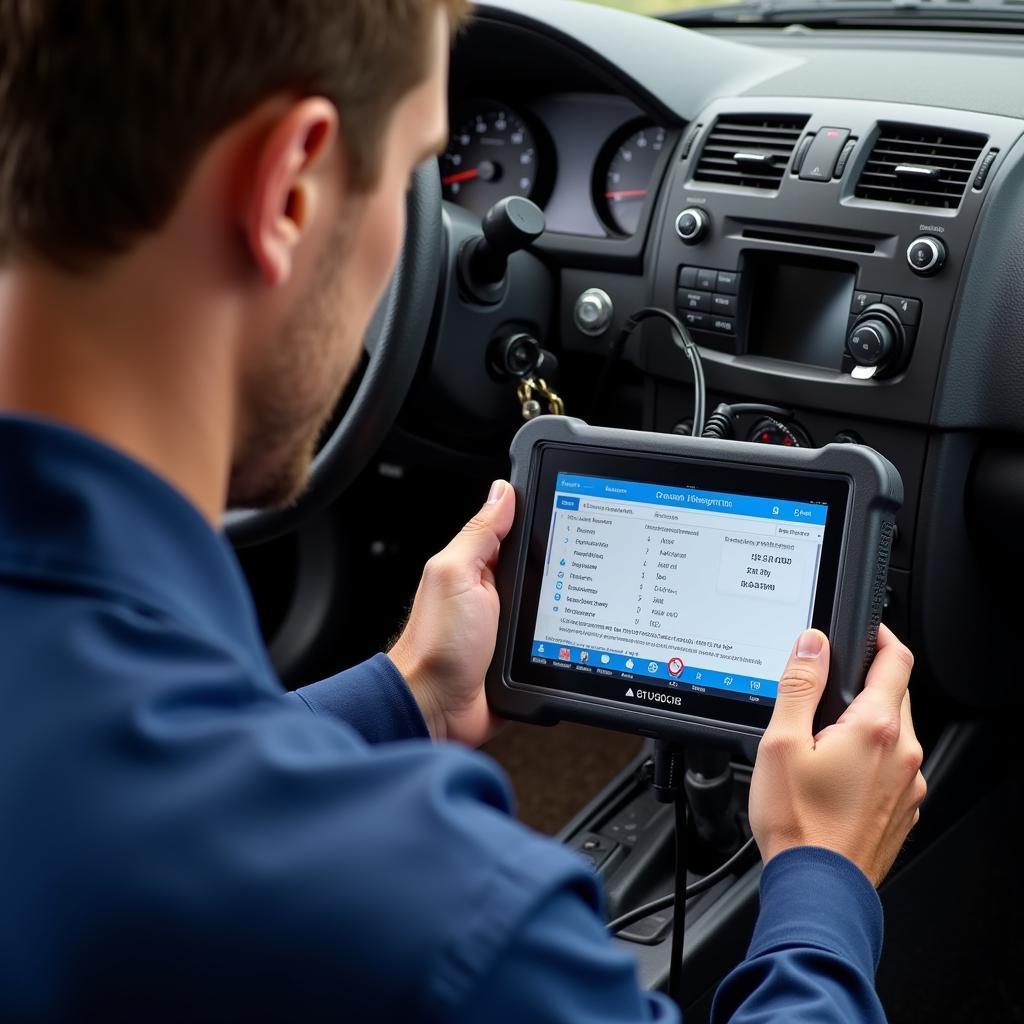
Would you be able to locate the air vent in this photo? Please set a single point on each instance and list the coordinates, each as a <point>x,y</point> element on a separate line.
<point>920,166</point>
<point>750,150</point>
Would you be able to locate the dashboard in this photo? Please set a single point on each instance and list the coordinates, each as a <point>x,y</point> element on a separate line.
<point>590,161</point>
<point>837,217</point>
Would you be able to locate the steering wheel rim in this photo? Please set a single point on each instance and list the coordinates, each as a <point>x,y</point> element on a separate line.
<point>395,342</point>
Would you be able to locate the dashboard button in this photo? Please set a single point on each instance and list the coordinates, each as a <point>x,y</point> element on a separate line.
<point>699,301</point>
<point>723,325</point>
<point>728,282</point>
<point>908,310</point>
<point>706,279</point>
<point>723,305</point>
<point>801,152</point>
<point>926,255</point>
<point>593,312</point>
<point>695,321</point>
<point>692,225</point>
<point>820,161</point>
<point>861,300</point>
<point>687,277</point>
<point>844,157</point>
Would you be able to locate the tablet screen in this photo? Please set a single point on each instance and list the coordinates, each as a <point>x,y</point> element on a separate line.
<point>675,585</point>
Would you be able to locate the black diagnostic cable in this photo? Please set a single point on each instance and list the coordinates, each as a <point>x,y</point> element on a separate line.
<point>721,423</point>
<point>669,761</point>
<point>683,340</point>
<point>710,880</point>
<point>667,783</point>
<point>669,770</point>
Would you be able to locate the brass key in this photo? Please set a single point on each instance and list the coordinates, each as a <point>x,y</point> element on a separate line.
<point>530,390</point>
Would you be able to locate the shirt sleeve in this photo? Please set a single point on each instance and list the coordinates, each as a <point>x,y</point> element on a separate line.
<point>561,967</point>
<point>815,948</point>
<point>372,698</point>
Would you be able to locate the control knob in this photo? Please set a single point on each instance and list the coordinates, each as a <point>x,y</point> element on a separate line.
<point>692,225</point>
<point>593,311</point>
<point>926,255</point>
<point>876,341</point>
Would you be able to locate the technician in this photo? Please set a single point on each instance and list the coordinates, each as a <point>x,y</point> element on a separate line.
<point>200,205</point>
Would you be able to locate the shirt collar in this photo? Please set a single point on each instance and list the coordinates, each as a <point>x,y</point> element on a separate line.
<point>77,514</point>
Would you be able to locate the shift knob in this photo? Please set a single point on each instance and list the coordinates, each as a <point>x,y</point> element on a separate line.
<point>511,224</point>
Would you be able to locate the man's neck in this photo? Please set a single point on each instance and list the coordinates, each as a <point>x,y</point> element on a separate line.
<point>123,359</point>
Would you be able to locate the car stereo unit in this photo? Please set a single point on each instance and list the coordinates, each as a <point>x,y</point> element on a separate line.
<point>657,583</point>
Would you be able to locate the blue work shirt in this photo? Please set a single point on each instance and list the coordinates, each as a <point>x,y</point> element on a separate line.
<point>181,840</point>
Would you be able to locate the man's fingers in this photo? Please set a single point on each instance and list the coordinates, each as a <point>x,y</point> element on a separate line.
<point>906,719</point>
<point>887,681</point>
<point>801,686</point>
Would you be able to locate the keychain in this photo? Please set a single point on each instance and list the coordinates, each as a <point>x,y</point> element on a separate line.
<point>527,388</point>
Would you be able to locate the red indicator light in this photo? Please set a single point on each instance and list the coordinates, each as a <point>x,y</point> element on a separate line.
<point>832,135</point>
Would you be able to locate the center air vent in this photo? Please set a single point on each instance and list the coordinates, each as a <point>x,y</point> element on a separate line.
<point>920,166</point>
<point>750,150</point>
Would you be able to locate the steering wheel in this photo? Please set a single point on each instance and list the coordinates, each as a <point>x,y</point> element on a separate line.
<point>394,343</point>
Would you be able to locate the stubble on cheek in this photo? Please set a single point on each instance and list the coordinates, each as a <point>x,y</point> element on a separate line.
<point>290,399</point>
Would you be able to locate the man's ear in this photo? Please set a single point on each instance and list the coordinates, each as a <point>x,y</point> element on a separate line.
<point>283,190</point>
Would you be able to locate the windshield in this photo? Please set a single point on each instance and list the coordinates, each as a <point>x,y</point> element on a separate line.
<point>657,6</point>
<point>925,13</point>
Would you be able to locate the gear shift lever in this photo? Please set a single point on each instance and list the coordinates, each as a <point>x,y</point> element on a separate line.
<point>510,225</point>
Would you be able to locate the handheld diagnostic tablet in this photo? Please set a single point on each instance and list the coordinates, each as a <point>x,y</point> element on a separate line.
<point>656,583</point>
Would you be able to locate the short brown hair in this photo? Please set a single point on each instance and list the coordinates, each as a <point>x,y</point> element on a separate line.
<point>106,105</point>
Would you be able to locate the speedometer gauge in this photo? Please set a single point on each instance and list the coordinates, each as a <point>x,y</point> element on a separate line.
<point>491,154</point>
<point>628,178</point>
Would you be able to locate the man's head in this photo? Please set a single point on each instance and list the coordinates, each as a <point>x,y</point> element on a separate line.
<point>276,137</point>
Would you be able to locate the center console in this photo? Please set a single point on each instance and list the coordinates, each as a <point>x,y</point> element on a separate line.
<point>822,245</point>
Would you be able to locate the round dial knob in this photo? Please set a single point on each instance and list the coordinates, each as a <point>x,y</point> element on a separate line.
<point>871,342</point>
<point>692,225</point>
<point>593,311</point>
<point>877,338</point>
<point>926,255</point>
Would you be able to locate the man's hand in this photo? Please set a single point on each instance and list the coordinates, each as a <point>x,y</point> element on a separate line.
<point>448,642</point>
<point>856,786</point>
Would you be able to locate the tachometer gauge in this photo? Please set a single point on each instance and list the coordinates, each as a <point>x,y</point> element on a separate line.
<point>628,178</point>
<point>491,154</point>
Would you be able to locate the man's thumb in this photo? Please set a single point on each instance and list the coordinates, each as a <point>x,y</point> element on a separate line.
<point>802,684</point>
<point>499,510</point>
<point>482,535</point>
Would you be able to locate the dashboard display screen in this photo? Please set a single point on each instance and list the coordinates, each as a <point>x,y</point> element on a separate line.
<point>682,587</point>
<point>801,311</point>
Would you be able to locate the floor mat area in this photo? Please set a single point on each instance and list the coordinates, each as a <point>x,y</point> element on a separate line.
<point>556,770</point>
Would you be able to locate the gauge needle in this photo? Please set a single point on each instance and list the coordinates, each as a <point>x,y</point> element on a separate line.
<point>629,193</point>
<point>461,176</point>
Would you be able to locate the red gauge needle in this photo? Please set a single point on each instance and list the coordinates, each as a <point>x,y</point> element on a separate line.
<point>461,176</point>
<point>629,193</point>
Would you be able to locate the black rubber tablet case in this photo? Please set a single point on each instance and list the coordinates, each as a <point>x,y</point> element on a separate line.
<point>876,493</point>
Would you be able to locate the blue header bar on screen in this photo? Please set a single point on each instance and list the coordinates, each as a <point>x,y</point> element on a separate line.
<point>682,498</point>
